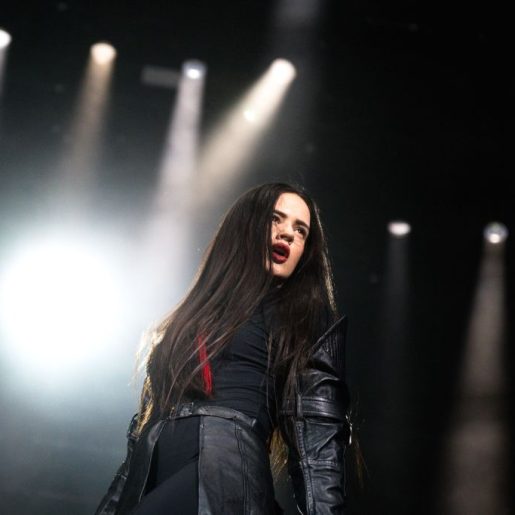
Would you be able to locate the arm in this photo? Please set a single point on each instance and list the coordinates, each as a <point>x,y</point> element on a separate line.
<point>315,428</point>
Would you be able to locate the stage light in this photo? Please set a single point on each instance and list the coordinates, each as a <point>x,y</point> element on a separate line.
<point>75,173</point>
<point>194,69</point>
<point>394,343</point>
<point>60,303</point>
<point>495,233</point>
<point>475,474</point>
<point>103,53</point>
<point>283,71</point>
<point>233,142</point>
<point>180,151</point>
<point>399,228</point>
<point>168,233</point>
<point>5,39</point>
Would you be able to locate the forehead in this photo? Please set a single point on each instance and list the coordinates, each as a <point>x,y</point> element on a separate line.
<point>293,206</point>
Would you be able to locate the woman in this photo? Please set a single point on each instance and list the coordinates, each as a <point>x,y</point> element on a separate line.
<point>251,359</point>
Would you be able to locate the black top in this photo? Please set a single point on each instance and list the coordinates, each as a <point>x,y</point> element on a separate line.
<point>242,379</point>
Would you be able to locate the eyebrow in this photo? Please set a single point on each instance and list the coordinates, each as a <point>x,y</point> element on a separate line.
<point>297,222</point>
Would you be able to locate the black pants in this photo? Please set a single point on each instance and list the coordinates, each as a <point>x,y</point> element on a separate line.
<point>172,487</point>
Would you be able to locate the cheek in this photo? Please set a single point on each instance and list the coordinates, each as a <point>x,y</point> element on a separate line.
<point>298,253</point>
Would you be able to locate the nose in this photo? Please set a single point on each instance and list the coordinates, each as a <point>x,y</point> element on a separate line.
<point>285,232</point>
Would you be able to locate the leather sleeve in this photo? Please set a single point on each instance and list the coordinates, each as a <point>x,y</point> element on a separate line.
<point>315,428</point>
<point>110,501</point>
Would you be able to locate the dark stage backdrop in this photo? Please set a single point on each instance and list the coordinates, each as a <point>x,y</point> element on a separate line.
<point>398,111</point>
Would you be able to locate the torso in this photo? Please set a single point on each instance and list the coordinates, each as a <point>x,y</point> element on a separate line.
<point>242,379</point>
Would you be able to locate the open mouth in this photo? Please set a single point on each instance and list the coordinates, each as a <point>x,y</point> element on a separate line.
<point>280,252</point>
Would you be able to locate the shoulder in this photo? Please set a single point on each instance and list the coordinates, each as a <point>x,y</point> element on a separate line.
<point>332,339</point>
<point>327,320</point>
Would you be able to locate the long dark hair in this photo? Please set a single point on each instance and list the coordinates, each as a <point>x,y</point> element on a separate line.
<point>230,284</point>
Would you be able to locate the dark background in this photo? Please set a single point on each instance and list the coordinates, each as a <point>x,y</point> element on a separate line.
<point>398,111</point>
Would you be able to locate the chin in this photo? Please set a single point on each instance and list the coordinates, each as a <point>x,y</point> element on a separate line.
<point>280,274</point>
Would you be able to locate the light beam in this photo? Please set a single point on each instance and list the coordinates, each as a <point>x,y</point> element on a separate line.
<point>475,468</point>
<point>76,174</point>
<point>234,141</point>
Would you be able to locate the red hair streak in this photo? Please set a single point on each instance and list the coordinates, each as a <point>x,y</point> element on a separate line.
<point>206,367</point>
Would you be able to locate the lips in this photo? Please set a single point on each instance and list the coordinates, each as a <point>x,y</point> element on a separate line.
<point>280,252</point>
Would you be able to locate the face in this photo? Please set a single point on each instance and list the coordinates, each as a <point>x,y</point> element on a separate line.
<point>290,230</point>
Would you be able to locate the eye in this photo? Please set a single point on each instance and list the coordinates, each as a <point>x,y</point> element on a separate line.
<point>302,231</point>
<point>275,218</point>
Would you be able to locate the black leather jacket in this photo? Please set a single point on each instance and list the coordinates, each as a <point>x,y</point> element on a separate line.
<point>313,424</point>
<point>316,429</point>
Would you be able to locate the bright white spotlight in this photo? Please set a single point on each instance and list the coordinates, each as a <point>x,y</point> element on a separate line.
<point>399,228</point>
<point>283,70</point>
<point>58,303</point>
<point>495,233</point>
<point>103,53</point>
<point>194,69</point>
<point>5,39</point>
